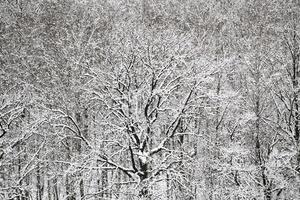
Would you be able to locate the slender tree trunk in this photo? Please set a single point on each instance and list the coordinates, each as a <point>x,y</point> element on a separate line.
<point>49,189</point>
<point>55,189</point>
<point>71,195</point>
<point>104,182</point>
<point>39,182</point>
<point>79,150</point>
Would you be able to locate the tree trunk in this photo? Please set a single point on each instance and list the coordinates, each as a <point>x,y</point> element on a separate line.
<point>39,183</point>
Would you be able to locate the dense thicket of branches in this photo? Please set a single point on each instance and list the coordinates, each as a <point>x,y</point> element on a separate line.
<point>137,99</point>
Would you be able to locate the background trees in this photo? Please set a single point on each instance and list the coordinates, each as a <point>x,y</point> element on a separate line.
<point>149,100</point>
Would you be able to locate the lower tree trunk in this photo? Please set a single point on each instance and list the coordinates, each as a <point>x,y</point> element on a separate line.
<point>104,183</point>
<point>49,189</point>
<point>55,190</point>
<point>71,195</point>
<point>81,186</point>
<point>39,182</point>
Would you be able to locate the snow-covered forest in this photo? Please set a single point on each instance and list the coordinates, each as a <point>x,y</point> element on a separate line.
<point>149,99</point>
